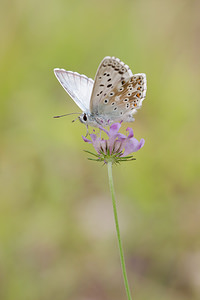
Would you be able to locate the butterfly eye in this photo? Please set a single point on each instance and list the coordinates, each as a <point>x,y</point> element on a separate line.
<point>105,101</point>
<point>126,99</point>
<point>115,108</point>
<point>111,94</point>
<point>129,94</point>
<point>84,117</point>
<point>113,103</point>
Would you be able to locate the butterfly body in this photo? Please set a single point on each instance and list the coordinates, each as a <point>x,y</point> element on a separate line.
<point>113,96</point>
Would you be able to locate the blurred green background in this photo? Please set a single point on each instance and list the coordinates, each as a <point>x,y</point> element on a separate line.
<point>57,234</point>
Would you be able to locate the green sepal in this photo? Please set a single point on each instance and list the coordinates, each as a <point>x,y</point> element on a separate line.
<point>91,153</point>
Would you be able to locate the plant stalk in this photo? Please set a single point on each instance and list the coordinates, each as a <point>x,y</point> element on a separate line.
<point>109,164</point>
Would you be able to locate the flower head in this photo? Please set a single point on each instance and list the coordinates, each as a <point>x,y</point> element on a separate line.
<point>117,147</point>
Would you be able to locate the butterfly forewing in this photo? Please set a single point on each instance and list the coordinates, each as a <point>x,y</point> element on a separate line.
<point>124,98</point>
<point>110,72</point>
<point>79,87</point>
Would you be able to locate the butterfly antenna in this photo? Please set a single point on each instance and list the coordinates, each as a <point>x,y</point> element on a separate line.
<point>66,115</point>
<point>75,119</point>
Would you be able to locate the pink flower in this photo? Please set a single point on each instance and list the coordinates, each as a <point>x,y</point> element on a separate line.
<point>117,147</point>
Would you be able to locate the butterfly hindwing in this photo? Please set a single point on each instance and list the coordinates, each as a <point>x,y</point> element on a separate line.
<point>124,99</point>
<point>79,87</point>
<point>110,72</point>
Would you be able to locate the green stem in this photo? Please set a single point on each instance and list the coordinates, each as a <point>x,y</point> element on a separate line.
<point>117,229</point>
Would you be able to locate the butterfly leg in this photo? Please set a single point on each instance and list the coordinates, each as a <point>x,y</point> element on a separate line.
<point>87,130</point>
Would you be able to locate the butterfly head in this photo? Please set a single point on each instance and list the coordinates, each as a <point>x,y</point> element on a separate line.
<point>83,118</point>
<point>88,119</point>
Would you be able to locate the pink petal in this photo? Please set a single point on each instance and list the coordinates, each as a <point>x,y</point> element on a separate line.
<point>93,137</point>
<point>103,129</point>
<point>133,145</point>
<point>114,128</point>
<point>103,146</point>
<point>86,140</point>
<point>130,130</point>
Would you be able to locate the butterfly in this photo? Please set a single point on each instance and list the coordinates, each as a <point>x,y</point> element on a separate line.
<point>113,96</point>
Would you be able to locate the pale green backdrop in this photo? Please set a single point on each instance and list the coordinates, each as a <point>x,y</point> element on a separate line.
<point>57,235</point>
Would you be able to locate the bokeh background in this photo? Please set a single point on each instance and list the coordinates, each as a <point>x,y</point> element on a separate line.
<point>57,234</point>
